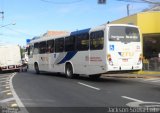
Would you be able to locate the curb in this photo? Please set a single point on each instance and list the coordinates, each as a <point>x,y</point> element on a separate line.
<point>138,74</point>
<point>154,73</point>
<point>129,75</point>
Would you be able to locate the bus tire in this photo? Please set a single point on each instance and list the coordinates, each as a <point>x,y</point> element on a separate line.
<point>69,71</point>
<point>36,68</point>
<point>96,76</point>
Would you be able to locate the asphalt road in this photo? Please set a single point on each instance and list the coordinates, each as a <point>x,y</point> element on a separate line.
<point>48,92</point>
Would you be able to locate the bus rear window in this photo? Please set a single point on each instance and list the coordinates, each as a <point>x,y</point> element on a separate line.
<point>124,34</point>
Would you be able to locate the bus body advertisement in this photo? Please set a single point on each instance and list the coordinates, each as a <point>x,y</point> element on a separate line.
<point>106,48</point>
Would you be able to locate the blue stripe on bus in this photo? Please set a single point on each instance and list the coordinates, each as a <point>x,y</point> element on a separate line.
<point>68,56</point>
<point>80,31</point>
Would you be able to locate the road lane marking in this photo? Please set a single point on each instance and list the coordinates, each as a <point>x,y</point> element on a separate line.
<point>129,98</point>
<point>88,86</point>
<point>5,91</point>
<point>18,101</point>
<point>5,76</point>
<point>139,103</point>
<point>4,81</point>
<point>9,93</point>
<point>14,105</point>
<point>156,81</point>
<point>7,82</point>
<point>150,79</point>
<point>6,100</point>
<point>6,85</point>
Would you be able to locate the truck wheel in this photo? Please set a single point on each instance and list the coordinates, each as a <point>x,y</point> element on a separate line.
<point>18,70</point>
<point>36,68</point>
<point>69,71</point>
<point>25,70</point>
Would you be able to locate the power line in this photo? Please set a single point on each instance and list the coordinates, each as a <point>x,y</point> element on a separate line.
<point>135,1</point>
<point>142,1</point>
<point>53,2</point>
<point>18,31</point>
<point>152,1</point>
<point>2,12</point>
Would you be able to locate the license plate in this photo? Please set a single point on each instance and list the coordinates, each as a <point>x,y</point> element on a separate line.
<point>125,60</point>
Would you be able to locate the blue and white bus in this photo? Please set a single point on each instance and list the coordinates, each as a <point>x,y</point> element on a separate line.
<point>93,51</point>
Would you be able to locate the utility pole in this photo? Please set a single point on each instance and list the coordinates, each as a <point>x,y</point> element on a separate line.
<point>2,13</point>
<point>101,1</point>
<point>128,10</point>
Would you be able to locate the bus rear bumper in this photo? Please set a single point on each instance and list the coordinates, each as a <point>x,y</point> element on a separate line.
<point>124,68</point>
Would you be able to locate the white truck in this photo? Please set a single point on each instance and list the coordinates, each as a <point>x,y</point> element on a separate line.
<point>10,58</point>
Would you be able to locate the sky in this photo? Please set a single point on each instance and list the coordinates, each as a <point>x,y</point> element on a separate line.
<point>35,17</point>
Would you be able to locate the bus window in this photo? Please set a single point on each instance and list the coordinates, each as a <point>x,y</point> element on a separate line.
<point>82,42</point>
<point>132,34</point>
<point>42,47</point>
<point>124,34</point>
<point>70,43</point>
<point>30,51</point>
<point>50,46</point>
<point>59,45</point>
<point>36,48</point>
<point>96,40</point>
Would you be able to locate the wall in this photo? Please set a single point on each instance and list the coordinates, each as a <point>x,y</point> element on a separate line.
<point>126,20</point>
<point>149,22</point>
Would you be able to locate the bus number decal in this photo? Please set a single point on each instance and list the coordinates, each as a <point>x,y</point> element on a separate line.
<point>126,54</point>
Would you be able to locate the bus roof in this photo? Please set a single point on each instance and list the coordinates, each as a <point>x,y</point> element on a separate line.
<point>101,27</point>
<point>80,31</point>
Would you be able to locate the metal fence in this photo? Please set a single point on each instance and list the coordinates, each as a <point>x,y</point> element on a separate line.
<point>152,64</point>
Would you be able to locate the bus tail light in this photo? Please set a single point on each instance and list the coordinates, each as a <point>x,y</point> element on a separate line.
<point>109,59</point>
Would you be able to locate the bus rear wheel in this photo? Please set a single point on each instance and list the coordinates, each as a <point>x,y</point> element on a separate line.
<point>69,71</point>
<point>36,68</point>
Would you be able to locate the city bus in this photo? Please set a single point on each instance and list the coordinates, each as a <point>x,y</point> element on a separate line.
<point>91,52</point>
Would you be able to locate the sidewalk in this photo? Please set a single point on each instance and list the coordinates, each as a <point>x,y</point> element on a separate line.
<point>148,74</point>
<point>138,74</point>
<point>156,73</point>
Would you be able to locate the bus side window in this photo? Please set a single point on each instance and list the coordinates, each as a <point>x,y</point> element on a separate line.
<point>96,40</point>
<point>42,47</point>
<point>59,45</point>
<point>50,46</point>
<point>82,42</point>
<point>36,48</point>
<point>30,51</point>
<point>70,43</point>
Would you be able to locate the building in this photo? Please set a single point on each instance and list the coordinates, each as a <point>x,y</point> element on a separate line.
<point>154,8</point>
<point>149,24</point>
<point>54,33</point>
